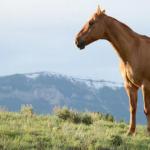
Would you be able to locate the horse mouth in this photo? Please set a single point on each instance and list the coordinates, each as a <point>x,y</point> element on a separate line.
<point>80,45</point>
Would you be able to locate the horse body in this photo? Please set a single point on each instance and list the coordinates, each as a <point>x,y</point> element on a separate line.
<point>134,52</point>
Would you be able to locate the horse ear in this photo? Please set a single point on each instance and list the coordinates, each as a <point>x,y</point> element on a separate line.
<point>98,10</point>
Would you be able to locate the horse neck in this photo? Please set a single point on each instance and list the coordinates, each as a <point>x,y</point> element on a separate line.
<point>121,37</point>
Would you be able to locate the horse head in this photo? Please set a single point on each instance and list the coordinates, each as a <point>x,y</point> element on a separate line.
<point>93,30</point>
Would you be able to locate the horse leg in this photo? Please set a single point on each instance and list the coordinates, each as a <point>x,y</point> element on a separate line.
<point>132,94</point>
<point>131,90</point>
<point>146,97</point>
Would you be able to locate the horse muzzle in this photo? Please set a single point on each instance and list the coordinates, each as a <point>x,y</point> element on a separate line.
<point>80,44</point>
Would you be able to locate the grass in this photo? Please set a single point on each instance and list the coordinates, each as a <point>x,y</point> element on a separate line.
<point>20,131</point>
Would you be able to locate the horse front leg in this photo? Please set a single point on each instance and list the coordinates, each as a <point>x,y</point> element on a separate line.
<point>132,94</point>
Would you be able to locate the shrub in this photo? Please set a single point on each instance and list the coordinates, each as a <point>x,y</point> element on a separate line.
<point>27,110</point>
<point>62,113</point>
<point>87,119</point>
<point>121,121</point>
<point>96,116</point>
<point>109,117</point>
<point>116,140</point>
<point>101,116</point>
<point>122,125</point>
<point>73,116</point>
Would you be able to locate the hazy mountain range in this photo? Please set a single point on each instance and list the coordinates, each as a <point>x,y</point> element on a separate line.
<point>46,90</point>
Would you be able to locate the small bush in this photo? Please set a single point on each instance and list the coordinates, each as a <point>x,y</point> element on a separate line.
<point>75,117</point>
<point>122,125</point>
<point>116,140</point>
<point>121,121</point>
<point>101,116</point>
<point>96,116</point>
<point>109,117</point>
<point>27,110</point>
<point>62,113</point>
<point>87,119</point>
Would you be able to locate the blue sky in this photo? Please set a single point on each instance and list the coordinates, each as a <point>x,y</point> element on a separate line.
<point>38,35</point>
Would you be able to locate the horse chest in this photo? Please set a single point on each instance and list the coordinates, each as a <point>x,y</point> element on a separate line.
<point>133,74</point>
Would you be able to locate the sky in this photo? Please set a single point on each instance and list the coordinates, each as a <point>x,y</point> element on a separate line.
<point>38,35</point>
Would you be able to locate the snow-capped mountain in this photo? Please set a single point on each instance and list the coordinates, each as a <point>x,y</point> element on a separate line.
<point>46,90</point>
<point>89,82</point>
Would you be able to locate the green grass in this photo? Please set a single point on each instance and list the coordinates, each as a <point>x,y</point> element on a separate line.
<point>20,131</point>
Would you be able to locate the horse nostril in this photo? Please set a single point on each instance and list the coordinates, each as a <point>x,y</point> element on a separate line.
<point>76,42</point>
<point>80,43</point>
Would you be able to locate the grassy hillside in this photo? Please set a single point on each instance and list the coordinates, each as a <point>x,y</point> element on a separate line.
<point>67,130</point>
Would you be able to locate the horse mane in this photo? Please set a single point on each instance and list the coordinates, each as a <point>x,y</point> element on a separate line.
<point>123,25</point>
<point>126,27</point>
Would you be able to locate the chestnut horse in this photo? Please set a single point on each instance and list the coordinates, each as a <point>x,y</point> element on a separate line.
<point>133,50</point>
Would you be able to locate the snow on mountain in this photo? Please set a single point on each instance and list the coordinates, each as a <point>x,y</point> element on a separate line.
<point>43,74</point>
<point>97,84</point>
<point>101,83</point>
<point>32,75</point>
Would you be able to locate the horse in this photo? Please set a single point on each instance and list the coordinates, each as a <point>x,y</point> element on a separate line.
<point>133,50</point>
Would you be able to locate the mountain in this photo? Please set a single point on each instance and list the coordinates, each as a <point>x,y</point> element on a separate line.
<point>47,90</point>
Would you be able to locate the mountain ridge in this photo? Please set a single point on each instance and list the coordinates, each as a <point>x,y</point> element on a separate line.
<point>45,90</point>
